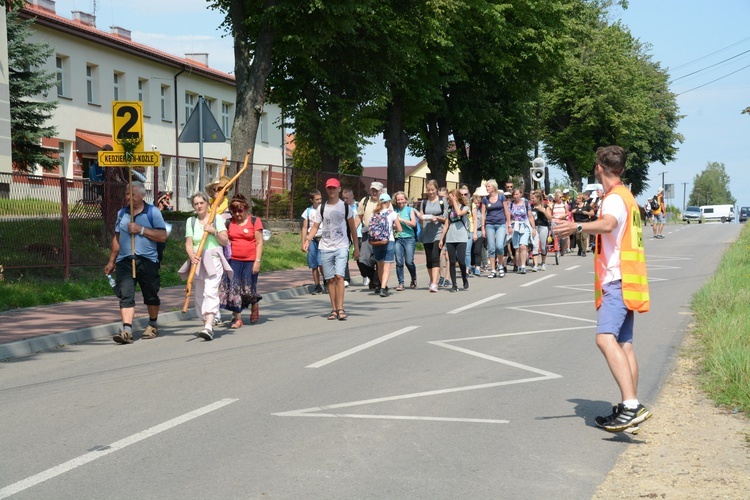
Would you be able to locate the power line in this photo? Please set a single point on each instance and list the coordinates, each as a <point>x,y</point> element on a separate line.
<point>712,81</point>
<point>711,54</point>
<point>711,66</point>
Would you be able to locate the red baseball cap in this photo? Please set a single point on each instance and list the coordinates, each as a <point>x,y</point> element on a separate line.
<point>333,183</point>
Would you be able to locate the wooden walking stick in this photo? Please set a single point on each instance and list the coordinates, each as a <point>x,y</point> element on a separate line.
<point>214,206</point>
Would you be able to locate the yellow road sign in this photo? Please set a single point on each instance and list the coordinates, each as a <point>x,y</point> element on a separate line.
<point>127,123</point>
<point>140,159</point>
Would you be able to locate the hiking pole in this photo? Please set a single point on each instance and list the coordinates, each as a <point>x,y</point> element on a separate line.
<point>214,206</point>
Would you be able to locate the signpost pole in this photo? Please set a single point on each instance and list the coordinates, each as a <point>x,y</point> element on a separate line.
<point>201,181</point>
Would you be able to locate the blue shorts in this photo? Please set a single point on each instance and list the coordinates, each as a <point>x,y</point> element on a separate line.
<point>614,317</point>
<point>313,255</point>
<point>334,262</point>
<point>521,238</point>
<point>385,253</point>
<point>659,218</point>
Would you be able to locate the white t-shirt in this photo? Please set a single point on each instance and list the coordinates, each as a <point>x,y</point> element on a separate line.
<point>392,216</point>
<point>615,206</point>
<point>333,226</point>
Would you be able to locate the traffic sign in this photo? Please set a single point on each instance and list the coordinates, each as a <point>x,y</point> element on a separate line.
<point>140,159</point>
<point>127,123</point>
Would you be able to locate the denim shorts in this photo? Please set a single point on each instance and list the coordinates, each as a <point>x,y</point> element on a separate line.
<point>659,218</point>
<point>334,262</point>
<point>614,317</point>
<point>313,254</point>
<point>385,253</point>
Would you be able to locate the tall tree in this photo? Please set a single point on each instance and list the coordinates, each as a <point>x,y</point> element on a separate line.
<point>711,186</point>
<point>28,114</point>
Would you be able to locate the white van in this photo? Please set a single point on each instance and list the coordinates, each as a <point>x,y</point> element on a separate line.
<point>723,213</point>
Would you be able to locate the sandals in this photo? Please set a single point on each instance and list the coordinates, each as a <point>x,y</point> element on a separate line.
<point>334,315</point>
<point>342,315</point>
<point>400,287</point>
<point>413,284</point>
<point>236,323</point>
<point>254,314</point>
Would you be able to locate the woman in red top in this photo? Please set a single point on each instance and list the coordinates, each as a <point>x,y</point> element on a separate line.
<point>246,239</point>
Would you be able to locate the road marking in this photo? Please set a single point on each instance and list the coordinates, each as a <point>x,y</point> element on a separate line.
<point>572,267</point>
<point>106,450</point>
<point>362,347</point>
<point>530,332</point>
<point>477,303</point>
<point>523,309</point>
<point>539,280</point>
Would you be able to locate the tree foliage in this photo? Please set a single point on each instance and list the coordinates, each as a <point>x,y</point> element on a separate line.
<point>711,186</point>
<point>27,82</point>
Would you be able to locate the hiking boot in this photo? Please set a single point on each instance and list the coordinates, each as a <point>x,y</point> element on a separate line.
<point>626,418</point>
<point>206,334</point>
<point>317,290</point>
<point>151,333</point>
<point>124,337</point>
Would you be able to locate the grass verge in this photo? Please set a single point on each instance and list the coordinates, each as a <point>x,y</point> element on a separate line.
<point>723,327</point>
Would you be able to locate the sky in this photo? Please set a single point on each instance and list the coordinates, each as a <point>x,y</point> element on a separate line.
<point>685,37</point>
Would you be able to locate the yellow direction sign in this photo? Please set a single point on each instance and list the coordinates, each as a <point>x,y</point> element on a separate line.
<point>127,123</point>
<point>140,159</point>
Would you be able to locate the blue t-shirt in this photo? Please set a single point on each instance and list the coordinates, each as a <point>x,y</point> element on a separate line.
<point>495,212</point>
<point>144,247</point>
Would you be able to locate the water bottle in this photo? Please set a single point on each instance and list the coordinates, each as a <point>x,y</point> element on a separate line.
<point>111,280</point>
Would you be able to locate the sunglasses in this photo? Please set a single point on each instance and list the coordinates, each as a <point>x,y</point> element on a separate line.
<point>237,210</point>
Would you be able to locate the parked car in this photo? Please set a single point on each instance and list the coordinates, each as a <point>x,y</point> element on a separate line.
<point>743,213</point>
<point>692,214</point>
<point>723,213</point>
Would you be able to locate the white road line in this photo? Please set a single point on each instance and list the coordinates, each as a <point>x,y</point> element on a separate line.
<point>477,303</point>
<point>539,280</point>
<point>355,350</point>
<point>530,332</point>
<point>405,417</point>
<point>523,308</point>
<point>106,450</point>
<point>572,267</point>
<point>538,371</point>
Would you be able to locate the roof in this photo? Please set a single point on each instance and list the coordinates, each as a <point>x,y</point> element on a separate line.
<point>382,172</point>
<point>91,142</point>
<point>48,19</point>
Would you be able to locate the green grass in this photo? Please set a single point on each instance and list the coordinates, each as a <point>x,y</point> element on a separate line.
<point>722,315</point>
<point>42,286</point>
<point>28,206</point>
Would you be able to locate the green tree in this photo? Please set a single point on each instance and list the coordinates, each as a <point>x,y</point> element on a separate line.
<point>609,92</point>
<point>711,187</point>
<point>28,114</point>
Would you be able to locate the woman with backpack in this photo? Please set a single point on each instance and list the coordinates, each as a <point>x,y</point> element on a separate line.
<point>380,232</point>
<point>211,264</point>
<point>522,221</point>
<point>406,241</point>
<point>432,216</point>
<point>246,238</point>
<point>454,236</point>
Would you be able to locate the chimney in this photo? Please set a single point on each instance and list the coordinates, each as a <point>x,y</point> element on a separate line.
<point>84,18</point>
<point>48,5</point>
<point>120,32</point>
<point>199,57</point>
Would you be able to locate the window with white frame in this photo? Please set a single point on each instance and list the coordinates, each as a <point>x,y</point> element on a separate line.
<point>191,173</point>
<point>226,124</point>
<point>143,95</point>
<point>61,65</point>
<point>92,84</point>
<point>165,102</point>
<point>118,82</point>
<point>190,100</point>
<point>263,128</point>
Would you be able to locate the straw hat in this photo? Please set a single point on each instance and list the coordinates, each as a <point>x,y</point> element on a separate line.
<point>218,183</point>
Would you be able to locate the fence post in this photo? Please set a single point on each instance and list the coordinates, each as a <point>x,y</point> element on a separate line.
<point>268,190</point>
<point>65,228</point>
<point>291,196</point>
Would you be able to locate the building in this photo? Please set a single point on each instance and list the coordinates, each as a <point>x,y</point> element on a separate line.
<point>415,178</point>
<point>95,67</point>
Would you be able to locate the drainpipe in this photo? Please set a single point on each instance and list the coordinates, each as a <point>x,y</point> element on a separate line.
<point>177,143</point>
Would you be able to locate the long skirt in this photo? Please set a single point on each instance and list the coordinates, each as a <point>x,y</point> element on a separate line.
<point>242,290</point>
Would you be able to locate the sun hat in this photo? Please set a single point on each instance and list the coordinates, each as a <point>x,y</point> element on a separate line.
<point>385,197</point>
<point>333,182</point>
<point>660,190</point>
<point>219,182</point>
<point>481,191</point>
<point>566,191</point>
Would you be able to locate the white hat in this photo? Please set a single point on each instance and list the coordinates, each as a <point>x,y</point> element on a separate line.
<point>377,185</point>
<point>659,190</point>
<point>481,191</point>
<point>566,191</point>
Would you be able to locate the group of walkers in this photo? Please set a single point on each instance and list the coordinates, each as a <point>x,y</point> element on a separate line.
<point>225,272</point>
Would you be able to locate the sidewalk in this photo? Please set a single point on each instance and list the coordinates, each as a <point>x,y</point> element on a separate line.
<point>36,329</point>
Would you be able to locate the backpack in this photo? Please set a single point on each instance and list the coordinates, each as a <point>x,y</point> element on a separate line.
<point>655,203</point>
<point>380,230</point>
<point>346,219</point>
<point>159,246</point>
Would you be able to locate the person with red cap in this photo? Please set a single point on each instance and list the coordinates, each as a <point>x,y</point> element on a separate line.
<point>338,226</point>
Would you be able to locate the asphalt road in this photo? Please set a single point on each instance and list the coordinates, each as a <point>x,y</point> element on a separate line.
<point>487,393</point>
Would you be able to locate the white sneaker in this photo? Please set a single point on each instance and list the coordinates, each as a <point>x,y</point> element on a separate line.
<point>433,288</point>
<point>365,281</point>
<point>543,268</point>
<point>346,283</point>
<point>534,269</point>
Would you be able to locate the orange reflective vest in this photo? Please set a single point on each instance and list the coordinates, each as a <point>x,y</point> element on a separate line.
<point>632,259</point>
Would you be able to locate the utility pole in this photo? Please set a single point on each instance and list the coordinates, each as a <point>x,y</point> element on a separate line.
<point>684,190</point>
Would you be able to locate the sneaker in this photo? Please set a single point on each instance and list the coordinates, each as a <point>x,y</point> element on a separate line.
<point>441,281</point>
<point>454,289</point>
<point>346,284</point>
<point>206,334</point>
<point>151,333</point>
<point>466,284</point>
<point>433,288</point>
<point>534,269</point>
<point>378,290</point>
<point>492,274</point>
<point>124,337</point>
<point>543,268</point>
<point>626,417</point>
<point>521,270</point>
<point>600,421</point>
<point>384,292</point>
<point>365,281</point>
<point>317,290</point>
<point>447,283</point>
<point>217,321</point>
<point>501,272</point>
<point>477,272</point>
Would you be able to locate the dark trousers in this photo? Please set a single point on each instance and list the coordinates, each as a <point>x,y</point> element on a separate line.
<point>456,253</point>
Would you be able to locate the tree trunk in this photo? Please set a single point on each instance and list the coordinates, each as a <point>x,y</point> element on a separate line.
<point>396,141</point>
<point>574,175</point>
<point>251,72</point>
<point>436,149</point>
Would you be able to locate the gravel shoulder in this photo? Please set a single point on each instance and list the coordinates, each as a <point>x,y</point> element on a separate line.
<point>689,449</point>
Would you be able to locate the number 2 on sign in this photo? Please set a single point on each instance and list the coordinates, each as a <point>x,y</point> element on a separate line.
<point>127,120</point>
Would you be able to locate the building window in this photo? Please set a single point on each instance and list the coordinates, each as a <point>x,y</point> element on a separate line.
<point>226,111</point>
<point>189,104</point>
<point>143,95</point>
<point>61,65</point>
<point>263,128</point>
<point>92,80</point>
<point>117,80</point>
<point>165,102</point>
<point>191,172</point>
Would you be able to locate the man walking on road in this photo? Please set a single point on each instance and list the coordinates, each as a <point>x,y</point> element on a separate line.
<point>334,244</point>
<point>659,211</point>
<point>147,229</point>
<point>621,285</point>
